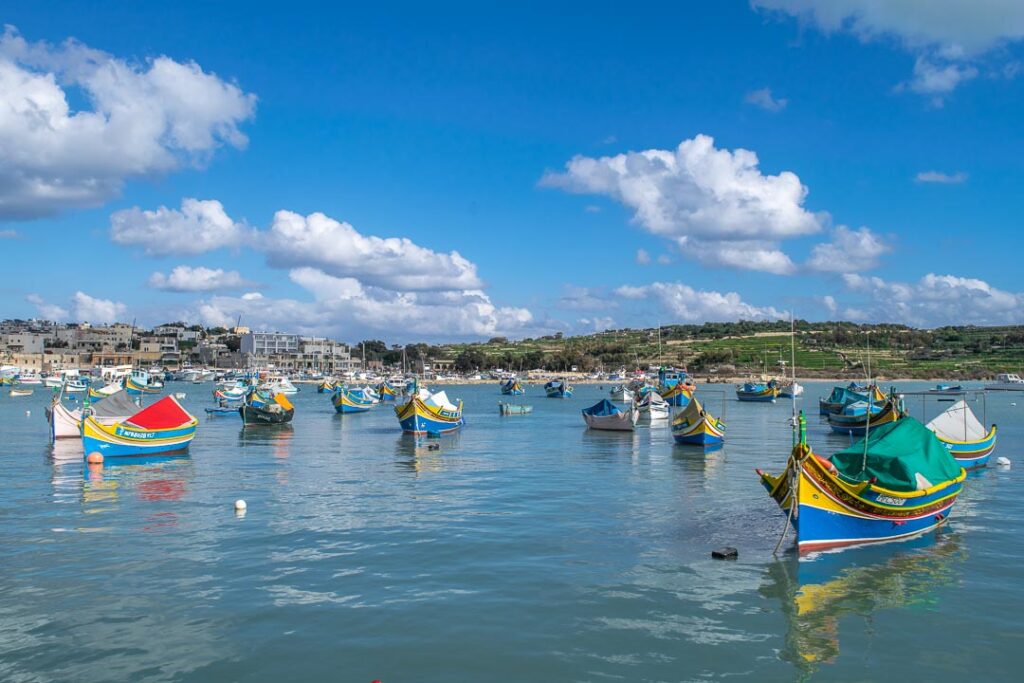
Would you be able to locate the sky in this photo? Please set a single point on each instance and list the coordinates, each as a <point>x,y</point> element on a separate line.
<point>461,172</point>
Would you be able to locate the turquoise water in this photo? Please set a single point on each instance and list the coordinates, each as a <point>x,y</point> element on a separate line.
<point>526,548</point>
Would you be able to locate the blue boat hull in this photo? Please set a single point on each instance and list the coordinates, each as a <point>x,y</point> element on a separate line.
<point>419,424</point>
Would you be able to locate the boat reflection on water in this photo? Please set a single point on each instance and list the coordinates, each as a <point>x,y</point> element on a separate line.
<point>277,436</point>
<point>818,591</point>
<point>152,478</point>
<point>425,454</point>
<point>699,462</point>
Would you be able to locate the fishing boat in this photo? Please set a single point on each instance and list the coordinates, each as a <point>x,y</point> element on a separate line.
<point>758,392</point>
<point>558,388</point>
<point>222,409</point>
<point>30,379</point>
<point>55,382</point>
<point>1006,381</point>
<point>75,386</point>
<point>20,392</point>
<point>233,394</point>
<point>946,389</point>
<point>898,482</point>
<point>347,401</point>
<point>426,413</point>
<point>694,425</point>
<point>279,385</point>
<point>963,435</point>
<point>104,391</point>
<point>386,391</point>
<point>678,394</point>
<point>512,387</point>
<point>137,383</point>
<point>162,428</point>
<point>605,415</point>
<point>66,423</point>
<point>652,408</point>
<point>513,409</point>
<point>264,408</point>
<point>853,419</point>
<point>790,390</point>
<point>325,387</point>
<point>844,396</point>
<point>622,394</point>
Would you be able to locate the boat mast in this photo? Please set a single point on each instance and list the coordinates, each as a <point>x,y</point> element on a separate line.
<point>871,403</point>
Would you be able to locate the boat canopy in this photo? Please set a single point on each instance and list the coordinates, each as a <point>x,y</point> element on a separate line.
<point>166,413</point>
<point>653,398</point>
<point>958,423</point>
<point>119,404</point>
<point>691,413</point>
<point>901,456</point>
<point>602,408</point>
<point>440,400</point>
<point>860,408</point>
<point>846,395</point>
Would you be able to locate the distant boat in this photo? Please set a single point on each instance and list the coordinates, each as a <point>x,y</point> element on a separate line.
<point>898,483</point>
<point>20,392</point>
<point>261,407</point>
<point>386,391</point>
<point>852,393</point>
<point>280,385</point>
<point>790,390</point>
<point>946,389</point>
<point>30,379</point>
<point>513,409</point>
<point>104,391</point>
<point>622,394</point>
<point>1006,382</point>
<point>348,401</point>
<point>222,410</point>
<point>605,415</point>
<point>426,413</point>
<point>162,428</point>
<point>138,383</point>
<point>512,387</point>
<point>853,419</point>
<point>677,394</point>
<point>325,387</point>
<point>558,388</point>
<point>652,408</point>
<point>694,425</point>
<point>758,392</point>
<point>66,423</point>
<point>963,435</point>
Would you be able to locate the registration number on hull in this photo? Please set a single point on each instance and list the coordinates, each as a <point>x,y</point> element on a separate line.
<point>889,500</point>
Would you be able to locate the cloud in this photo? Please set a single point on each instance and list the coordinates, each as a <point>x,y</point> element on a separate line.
<point>763,98</point>
<point>849,251</point>
<point>584,299</point>
<point>690,305</point>
<point>941,178</point>
<point>937,300</point>
<point>198,279</point>
<point>345,306</point>
<point>9,235</point>
<point>664,260</point>
<point>946,35</point>
<point>592,208</point>
<point>90,309</point>
<point>599,324</point>
<point>141,120</point>
<point>742,254</point>
<point>829,302</point>
<point>200,226</point>
<point>338,249</point>
<point>46,310</point>
<point>699,192</point>
<point>642,257</point>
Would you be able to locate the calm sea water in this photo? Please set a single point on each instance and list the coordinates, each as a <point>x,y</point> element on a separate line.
<point>524,549</point>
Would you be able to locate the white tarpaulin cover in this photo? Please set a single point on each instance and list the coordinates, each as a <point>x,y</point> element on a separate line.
<point>958,423</point>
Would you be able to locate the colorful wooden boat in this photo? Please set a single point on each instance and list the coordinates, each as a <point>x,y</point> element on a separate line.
<point>425,413</point>
<point>348,401</point>
<point>162,428</point>
<point>790,390</point>
<point>694,425</point>
<point>605,415</point>
<point>137,384</point>
<point>104,391</point>
<point>20,392</point>
<point>66,423</point>
<point>652,408</point>
<point>622,394</point>
<point>325,387</point>
<point>512,388</point>
<point>844,396</point>
<point>386,392</point>
<point>558,388</point>
<point>513,409</point>
<point>898,483</point>
<point>963,435</point>
<point>678,394</point>
<point>263,408</point>
<point>222,410</point>
<point>758,392</point>
<point>853,419</point>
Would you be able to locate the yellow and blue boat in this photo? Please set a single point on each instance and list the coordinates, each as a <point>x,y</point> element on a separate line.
<point>347,401</point>
<point>963,435</point>
<point>844,396</point>
<point>759,392</point>
<point>325,387</point>
<point>694,425</point>
<point>558,388</point>
<point>677,394</point>
<point>897,483</point>
<point>137,384</point>
<point>427,413</point>
<point>162,428</point>
<point>853,419</point>
<point>512,387</point>
<point>386,391</point>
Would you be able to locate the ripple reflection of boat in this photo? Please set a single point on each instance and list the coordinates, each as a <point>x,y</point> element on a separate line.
<point>702,462</point>
<point>816,594</point>
<point>277,434</point>
<point>425,454</point>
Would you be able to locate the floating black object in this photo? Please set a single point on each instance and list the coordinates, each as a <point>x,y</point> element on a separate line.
<point>433,446</point>
<point>725,553</point>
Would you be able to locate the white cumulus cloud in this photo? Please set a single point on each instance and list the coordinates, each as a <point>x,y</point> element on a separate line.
<point>763,98</point>
<point>48,311</point>
<point>700,192</point>
<point>690,305</point>
<point>642,257</point>
<point>142,119</point>
<point>197,279</point>
<point>849,251</point>
<point>198,227</point>
<point>941,178</point>
<point>93,310</point>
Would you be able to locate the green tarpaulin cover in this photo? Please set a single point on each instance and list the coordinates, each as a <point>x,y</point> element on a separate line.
<point>902,456</point>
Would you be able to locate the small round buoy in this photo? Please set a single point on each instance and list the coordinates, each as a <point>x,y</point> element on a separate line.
<point>240,504</point>
<point>1003,461</point>
<point>94,458</point>
<point>1013,403</point>
<point>28,413</point>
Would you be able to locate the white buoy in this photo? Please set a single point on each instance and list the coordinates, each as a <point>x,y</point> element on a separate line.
<point>1003,461</point>
<point>1013,404</point>
<point>240,504</point>
<point>28,413</point>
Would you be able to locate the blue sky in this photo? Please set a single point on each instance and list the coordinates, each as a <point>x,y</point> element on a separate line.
<point>484,172</point>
